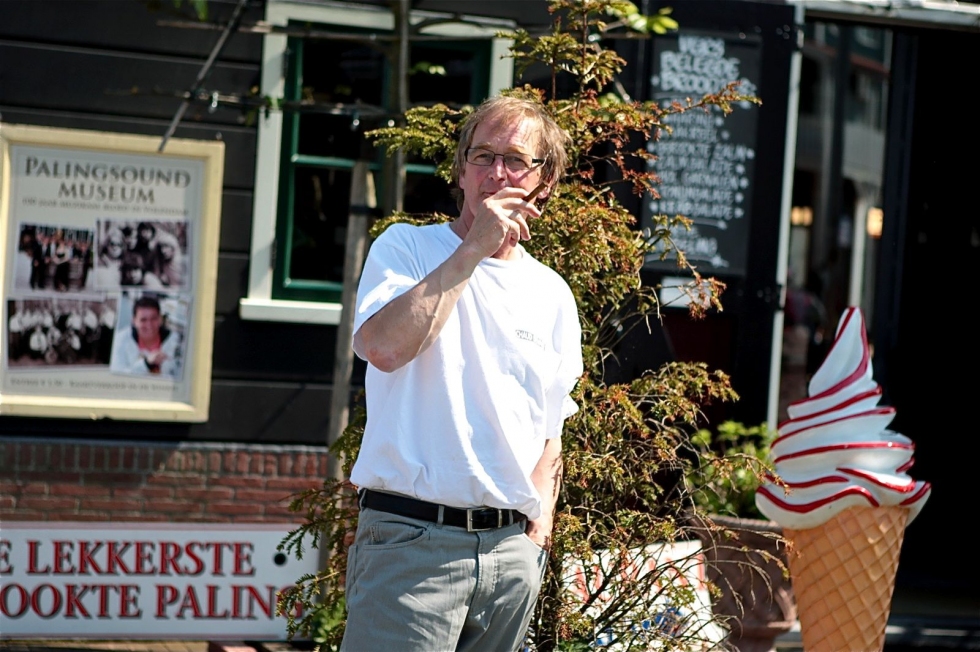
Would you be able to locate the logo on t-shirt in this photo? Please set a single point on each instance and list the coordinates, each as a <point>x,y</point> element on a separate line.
<point>528,336</point>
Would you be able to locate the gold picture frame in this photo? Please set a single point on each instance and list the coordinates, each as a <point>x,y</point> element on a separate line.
<point>108,274</point>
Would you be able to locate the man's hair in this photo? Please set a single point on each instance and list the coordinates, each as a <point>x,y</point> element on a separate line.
<point>552,139</point>
<point>146,301</point>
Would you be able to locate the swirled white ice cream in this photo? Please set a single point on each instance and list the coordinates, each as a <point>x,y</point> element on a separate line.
<point>835,450</point>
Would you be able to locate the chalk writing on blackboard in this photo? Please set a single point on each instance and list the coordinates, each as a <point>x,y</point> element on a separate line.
<point>706,161</point>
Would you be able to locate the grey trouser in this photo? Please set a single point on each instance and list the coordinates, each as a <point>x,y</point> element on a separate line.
<point>414,586</point>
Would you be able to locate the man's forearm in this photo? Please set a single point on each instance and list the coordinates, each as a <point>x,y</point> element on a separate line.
<point>411,322</point>
<point>546,478</point>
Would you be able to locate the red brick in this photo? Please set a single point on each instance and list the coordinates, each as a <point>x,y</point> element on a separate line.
<point>271,464</point>
<point>64,489</point>
<point>88,517</point>
<point>113,458</point>
<point>174,462</point>
<point>205,494</point>
<point>100,458</point>
<point>236,481</point>
<point>265,497</point>
<point>84,460</point>
<point>234,462</point>
<point>9,484</point>
<point>33,489</point>
<point>280,511</point>
<point>128,458</point>
<point>110,504</point>
<point>285,465</point>
<point>7,502</point>
<point>300,461</point>
<point>188,461</point>
<point>156,518</point>
<point>175,479</point>
<point>53,457</point>
<point>123,516</point>
<point>65,477</point>
<point>235,508</point>
<point>122,478</point>
<point>294,485</point>
<point>19,514</point>
<point>147,493</point>
<point>180,508</point>
<point>44,503</point>
<point>23,456</point>
<point>258,464</point>
<point>148,459</point>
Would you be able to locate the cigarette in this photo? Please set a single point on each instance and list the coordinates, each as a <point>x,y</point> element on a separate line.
<point>534,193</point>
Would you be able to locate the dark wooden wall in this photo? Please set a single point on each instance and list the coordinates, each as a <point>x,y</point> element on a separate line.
<point>108,65</point>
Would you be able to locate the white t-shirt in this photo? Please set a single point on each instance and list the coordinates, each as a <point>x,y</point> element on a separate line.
<point>465,422</point>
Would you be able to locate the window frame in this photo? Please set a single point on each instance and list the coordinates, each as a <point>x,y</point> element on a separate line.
<point>260,302</point>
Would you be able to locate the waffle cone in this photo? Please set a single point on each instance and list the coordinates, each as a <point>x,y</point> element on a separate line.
<point>843,576</point>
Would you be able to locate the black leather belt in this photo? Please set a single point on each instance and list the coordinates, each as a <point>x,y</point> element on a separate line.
<point>474,520</point>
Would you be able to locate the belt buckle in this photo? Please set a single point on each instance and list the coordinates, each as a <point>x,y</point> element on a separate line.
<point>469,520</point>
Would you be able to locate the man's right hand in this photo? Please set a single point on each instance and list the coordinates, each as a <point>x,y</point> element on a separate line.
<point>499,225</point>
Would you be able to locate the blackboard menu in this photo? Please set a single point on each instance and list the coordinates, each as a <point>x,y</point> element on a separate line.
<point>707,164</point>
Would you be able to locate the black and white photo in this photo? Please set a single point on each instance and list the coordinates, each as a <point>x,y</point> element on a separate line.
<point>145,254</point>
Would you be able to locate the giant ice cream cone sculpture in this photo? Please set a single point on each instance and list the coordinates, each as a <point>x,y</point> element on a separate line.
<point>846,501</point>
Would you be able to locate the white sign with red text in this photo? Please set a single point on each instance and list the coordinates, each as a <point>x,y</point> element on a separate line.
<point>144,580</point>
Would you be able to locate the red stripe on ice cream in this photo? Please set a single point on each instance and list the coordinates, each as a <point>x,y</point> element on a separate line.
<point>827,479</point>
<point>875,411</point>
<point>840,447</point>
<point>860,397</point>
<point>816,504</point>
<point>901,488</point>
<point>918,495</point>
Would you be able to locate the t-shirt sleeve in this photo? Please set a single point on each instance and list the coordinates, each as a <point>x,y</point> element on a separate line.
<point>390,269</point>
<point>560,403</point>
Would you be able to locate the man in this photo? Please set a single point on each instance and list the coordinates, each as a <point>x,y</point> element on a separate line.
<point>473,347</point>
<point>150,348</point>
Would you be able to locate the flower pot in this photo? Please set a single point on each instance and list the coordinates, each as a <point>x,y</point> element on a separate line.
<point>756,600</point>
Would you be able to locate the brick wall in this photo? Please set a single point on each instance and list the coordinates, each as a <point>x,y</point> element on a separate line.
<point>99,480</point>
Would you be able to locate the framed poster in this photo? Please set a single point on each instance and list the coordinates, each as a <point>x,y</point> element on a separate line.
<point>109,254</point>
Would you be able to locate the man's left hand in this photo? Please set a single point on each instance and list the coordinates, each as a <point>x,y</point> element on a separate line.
<point>539,531</point>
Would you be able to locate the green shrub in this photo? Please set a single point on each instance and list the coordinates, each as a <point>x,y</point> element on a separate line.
<point>731,464</point>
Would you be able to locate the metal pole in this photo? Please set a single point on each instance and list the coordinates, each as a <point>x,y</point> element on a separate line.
<point>205,70</point>
<point>398,104</point>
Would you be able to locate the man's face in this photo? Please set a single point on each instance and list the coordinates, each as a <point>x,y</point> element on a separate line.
<point>146,321</point>
<point>479,182</point>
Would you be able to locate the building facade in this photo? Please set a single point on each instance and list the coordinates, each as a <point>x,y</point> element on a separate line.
<point>856,195</point>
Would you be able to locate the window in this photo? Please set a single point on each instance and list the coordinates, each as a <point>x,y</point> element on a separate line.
<point>305,159</point>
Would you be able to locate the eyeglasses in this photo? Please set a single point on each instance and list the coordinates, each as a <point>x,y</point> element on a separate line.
<point>513,161</point>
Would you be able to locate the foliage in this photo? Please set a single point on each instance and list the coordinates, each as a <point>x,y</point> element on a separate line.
<point>730,465</point>
<point>200,7</point>
<point>628,451</point>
